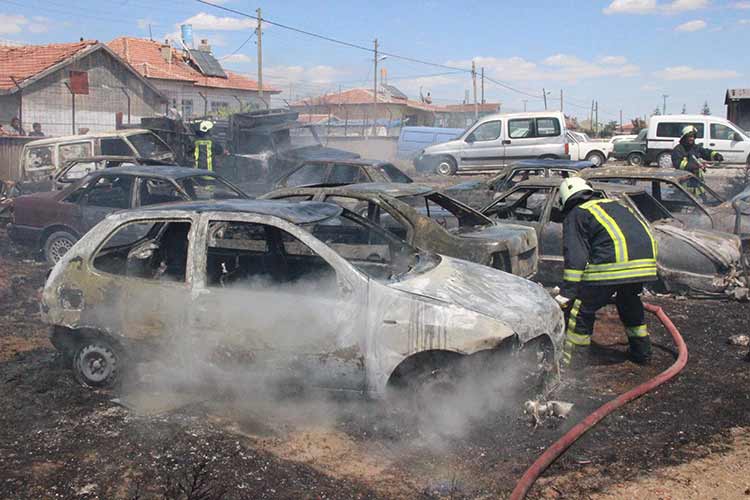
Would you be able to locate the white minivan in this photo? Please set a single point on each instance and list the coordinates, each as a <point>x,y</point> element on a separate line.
<point>715,133</point>
<point>497,140</point>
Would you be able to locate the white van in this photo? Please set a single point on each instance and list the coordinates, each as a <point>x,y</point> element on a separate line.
<point>44,157</point>
<point>497,140</point>
<point>715,133</point>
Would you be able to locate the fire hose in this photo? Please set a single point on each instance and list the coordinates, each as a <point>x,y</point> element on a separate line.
<point>553,452</point>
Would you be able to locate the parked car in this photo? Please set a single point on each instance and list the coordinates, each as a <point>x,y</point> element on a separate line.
<point>432,222</point>
<point>478,193</point>
<point>669,187</point>
<point>52,222</point>
<point>632,151</point>
<point>664,132</point>
<point>44,157</point>
<point>284,289</point>
<point>413,140</point>
<point>339,172</point>
<point>497,140</point>
<point>583,148</point>
<point>694,261</point>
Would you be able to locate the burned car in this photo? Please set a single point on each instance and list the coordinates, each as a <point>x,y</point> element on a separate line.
<point>433,222</point>
<point>691,261</point>
<point>479,193</point>
<point>283,286</point>
<point>341,172</point>
<point>670,188</point>
<point>51,222</point>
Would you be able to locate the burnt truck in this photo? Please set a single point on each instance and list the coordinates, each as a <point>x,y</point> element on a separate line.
<point>258,146</point>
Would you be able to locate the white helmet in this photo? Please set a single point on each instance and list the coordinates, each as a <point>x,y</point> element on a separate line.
<point>688,129</point>
<point>205,126</point>
<point>571,186</point>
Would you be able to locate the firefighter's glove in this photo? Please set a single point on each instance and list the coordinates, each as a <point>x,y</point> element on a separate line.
<point>718,157</point>
<point>563,302</point>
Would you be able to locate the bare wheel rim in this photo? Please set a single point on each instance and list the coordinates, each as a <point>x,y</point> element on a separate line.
<point>636,160</point>
<point>97,364</point>
<point>59,247</point>
<point>595,159</point>
<point>444,168</point>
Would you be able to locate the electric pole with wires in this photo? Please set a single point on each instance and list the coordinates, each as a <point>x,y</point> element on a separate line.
<point>474,82</point>
<point>259,34</point>
<point>375,88</point>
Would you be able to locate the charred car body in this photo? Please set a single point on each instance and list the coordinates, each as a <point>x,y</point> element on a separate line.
<point>693,261</point>
<point>433,222</point>
<point>341,172</point>
<point>53,221</point>
<point>343,320</point>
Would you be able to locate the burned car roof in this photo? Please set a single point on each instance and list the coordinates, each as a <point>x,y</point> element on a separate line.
<point>605,186</point>
<point>552,163</point>
<point>303,212</point>
<point>172,171</point>
<point>359,162</point>
<point>395,189</point>
<point>635,172</point>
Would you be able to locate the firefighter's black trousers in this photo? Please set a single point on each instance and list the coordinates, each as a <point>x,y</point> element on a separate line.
<point>582,315</point>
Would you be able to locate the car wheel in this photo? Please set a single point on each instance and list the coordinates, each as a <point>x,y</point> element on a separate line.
<point>635,159</point>
<point>664,160</point>
<point>57,244</point>
<point>446,166</point>
<point>97,364</point>
<point>596,158</point>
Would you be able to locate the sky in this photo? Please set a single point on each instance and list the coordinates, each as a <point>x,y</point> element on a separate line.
<point>625,54</point>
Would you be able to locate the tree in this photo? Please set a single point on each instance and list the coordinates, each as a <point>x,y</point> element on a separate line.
<point>638,124</point>
<point>609,128</point>
<point>684,109</point>
<point>656,112</point>
<point>706,110</point>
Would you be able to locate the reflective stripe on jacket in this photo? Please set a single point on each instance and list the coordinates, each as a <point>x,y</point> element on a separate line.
<point>605,243</point>
<point>204,159</point>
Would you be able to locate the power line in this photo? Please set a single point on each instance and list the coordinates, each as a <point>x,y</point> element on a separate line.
<point>252,34</point>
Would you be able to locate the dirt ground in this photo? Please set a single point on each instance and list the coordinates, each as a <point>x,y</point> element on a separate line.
<point>687,439</point>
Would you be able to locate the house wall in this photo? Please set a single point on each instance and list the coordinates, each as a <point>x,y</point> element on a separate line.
<point>49,102</point>
<point>739,113</point>
<point>182,93</point>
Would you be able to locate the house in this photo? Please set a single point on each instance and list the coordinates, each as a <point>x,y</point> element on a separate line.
<point>738,107</point>
<point>192,79</point>
<point>37,84</point>
<point>463,115</point>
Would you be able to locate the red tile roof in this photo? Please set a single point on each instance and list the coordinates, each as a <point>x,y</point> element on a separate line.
<point>362,96</point>
<point>146,57</point>
<point>26,61</point>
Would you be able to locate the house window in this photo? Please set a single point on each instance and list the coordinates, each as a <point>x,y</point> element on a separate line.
<point>187,108</point>
<point>217,106</point>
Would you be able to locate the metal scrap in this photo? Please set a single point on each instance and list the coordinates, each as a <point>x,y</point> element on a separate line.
<point>539,411</point>
<point>739,340</point>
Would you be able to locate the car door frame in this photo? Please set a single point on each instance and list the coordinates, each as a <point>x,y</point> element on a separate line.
<point>84,225</point>
<point>493,162</point>
<point>726,147</point>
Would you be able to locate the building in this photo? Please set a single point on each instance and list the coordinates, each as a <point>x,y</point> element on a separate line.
<point>463,115</point>
<point>37,84</point>
<point>192,79</point>
<point>738,107</point>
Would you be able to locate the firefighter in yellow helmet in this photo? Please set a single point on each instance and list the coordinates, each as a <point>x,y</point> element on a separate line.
<point>688,155</point>
<point>608,251</point>
<point>206,150</point>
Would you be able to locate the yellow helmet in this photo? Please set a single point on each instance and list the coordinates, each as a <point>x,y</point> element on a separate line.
<point>205,126</point>
<point>571,186</point>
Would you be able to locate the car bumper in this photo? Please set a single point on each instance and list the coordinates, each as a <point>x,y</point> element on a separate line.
<point>24,235</point>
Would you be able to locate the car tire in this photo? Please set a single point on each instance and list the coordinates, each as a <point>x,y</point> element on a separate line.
<point>596,158</point>
<point>56,245</point>
<point>635,159</point>
<point>664,160</point>
<point>446,166</point>
<point>97,364</point>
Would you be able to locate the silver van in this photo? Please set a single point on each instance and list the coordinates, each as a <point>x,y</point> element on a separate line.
<point>498,140</point>
<point>44,157</point>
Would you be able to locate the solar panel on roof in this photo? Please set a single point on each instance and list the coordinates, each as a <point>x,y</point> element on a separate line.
<point>394,91</point>
<point>207,64</point>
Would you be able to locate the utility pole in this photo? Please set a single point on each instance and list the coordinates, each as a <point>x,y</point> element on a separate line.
<point>561,100</point>
<point>597,117</point>
<point>591,119</point>
<point>664,108</point>
<point>474,82</point>
<point>482,84</point>
<point>259,35</point>
<point>375,89</point>
<point>620,120</point>
<point>544,94</point>
<point>524,104</point>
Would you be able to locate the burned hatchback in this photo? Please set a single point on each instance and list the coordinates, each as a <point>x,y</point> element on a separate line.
<point>284,286</point>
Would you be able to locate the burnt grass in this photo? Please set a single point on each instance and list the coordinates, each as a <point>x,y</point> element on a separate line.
<point>60,440</point>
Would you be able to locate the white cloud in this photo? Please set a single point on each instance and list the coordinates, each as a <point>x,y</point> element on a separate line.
<point>235,59</point>
<point>690,73</point>
<point>742,5</point>
<point>38,24</point>
<point>691,26</point>
<point>209,22</point>
<point>744,21</point>
<point>649,87</point>
<point>652,7</point>
<point>13,23</point>
<point>613,60</point>
<point>320,74</point>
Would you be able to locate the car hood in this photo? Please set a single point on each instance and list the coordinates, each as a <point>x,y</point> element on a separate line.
<point>467,186</point>
<point>514,234</point>
<point>442,147</point>
<point>722,248</point>
<point>522,305</point>
<point>320,153</point>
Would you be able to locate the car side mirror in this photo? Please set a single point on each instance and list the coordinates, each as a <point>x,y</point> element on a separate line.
<point>737,137</point>
<point>470,138</point>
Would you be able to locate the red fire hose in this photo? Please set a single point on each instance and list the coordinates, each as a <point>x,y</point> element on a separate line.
<point>562,444</point>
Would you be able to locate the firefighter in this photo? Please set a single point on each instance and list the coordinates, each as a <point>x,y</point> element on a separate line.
<point>688,155</point>
<point>205,148</point>
<point>607,251</point>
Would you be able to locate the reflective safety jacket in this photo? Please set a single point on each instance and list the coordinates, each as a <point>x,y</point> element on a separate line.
<point>605,243</point>
<point>684,158</point>
<point>204,153</point>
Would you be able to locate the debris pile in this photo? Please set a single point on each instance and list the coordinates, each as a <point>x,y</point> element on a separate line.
<point>538,411</point>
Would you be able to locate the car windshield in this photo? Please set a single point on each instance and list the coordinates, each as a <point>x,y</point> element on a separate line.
<point>297,137</point>
<point>708,198</point>
<point>446,211</point>
<point>393,173</point>
<point>649,207</point>
<point>208,187</point>
<point>148,145</point>
<point>369,248</point>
